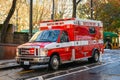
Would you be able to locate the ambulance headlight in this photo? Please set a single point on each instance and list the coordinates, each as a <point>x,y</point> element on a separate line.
<point>43,52</point>
<point>17,52</point>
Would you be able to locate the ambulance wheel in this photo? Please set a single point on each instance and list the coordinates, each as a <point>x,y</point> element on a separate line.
<point>25,67</point>
<point>54,62</point>
<point>95,57</point>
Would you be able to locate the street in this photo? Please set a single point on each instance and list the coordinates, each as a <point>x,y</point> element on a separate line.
<point>59,40</point>
<point>106,72</point>
<point>107,69</point>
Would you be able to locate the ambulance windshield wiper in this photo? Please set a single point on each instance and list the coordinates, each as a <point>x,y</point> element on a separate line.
<point>44,40</point>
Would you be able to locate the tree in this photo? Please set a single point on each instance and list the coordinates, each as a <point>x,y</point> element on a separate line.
<point>60,9</point>
<point>21,15</point>
<point>75,3</point>
<point>85,9</point>
<point>6,22</point>
<point>107,11</point>
<point>41,11</point>
<point>110,15</point>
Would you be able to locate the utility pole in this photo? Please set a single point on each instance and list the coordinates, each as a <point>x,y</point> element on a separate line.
<point>30,19</point>
<point>53,7</point>
<point>91,7</point>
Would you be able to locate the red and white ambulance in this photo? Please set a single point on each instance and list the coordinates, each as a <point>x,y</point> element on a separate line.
<point>62,41</point>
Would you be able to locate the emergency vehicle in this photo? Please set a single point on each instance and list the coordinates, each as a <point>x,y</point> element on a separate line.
<point>62,41</point>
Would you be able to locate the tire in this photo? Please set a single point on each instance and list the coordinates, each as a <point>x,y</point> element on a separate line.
<point>95,57</point>
<point>54,62</point>
<point>25,67</point>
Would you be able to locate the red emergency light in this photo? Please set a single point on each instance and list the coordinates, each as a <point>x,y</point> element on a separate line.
<point>32,50</point>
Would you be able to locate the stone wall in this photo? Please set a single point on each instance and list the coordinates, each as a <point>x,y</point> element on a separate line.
<point>20,38</point>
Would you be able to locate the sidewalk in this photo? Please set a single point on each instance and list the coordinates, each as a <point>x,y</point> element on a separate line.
<point>4,64</point>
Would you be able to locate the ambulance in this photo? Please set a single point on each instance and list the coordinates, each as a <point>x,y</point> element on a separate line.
<point>62,41</point>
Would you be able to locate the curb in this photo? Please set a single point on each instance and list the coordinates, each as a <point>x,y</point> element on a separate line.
<point>8,65</point>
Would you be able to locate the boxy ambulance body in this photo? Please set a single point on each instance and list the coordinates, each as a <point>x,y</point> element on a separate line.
<point>62,41</point>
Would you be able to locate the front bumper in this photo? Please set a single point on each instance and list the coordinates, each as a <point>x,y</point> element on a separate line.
<point>32,60</point>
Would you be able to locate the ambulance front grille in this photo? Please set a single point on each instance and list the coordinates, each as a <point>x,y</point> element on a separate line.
<point>26,51</point>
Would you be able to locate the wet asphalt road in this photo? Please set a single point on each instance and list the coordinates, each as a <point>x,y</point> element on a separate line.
<point>107,70</point>
<point>110,70</point>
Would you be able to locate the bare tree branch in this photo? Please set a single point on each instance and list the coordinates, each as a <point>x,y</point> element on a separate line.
<point>78,2</point>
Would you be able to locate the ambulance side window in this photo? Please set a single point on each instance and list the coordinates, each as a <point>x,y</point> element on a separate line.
<point>64,37</point>
<point>92,30</point>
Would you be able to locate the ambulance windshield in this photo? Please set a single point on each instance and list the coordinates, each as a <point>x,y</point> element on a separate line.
<point>45,36</point>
